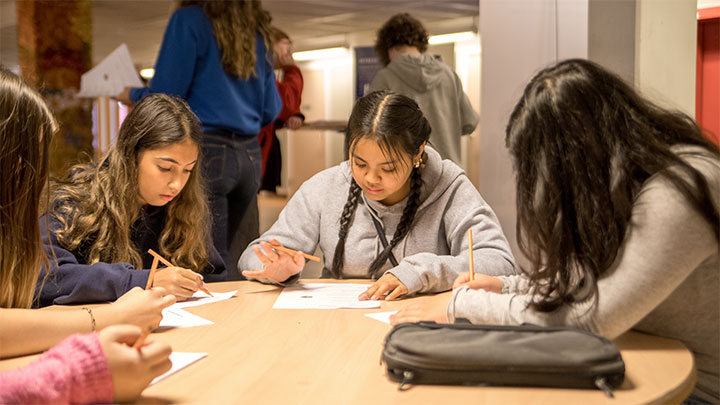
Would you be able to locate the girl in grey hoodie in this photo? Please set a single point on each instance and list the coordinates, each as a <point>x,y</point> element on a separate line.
<point>393,187</point>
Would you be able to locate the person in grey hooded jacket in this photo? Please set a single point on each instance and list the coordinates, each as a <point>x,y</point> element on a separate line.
<point>409,69</point>
<point>423,206</point>
<point>618,214</point>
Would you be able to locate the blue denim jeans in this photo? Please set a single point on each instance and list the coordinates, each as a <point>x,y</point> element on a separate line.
<point>232,170</point>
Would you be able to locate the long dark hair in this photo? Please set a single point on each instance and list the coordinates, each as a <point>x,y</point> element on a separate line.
<point>101,199</point>
<point>583,143</point>
<point>398,126</point>
<point>26,128</point>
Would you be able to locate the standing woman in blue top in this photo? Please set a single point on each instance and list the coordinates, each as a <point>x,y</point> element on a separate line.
<point>216,55</point>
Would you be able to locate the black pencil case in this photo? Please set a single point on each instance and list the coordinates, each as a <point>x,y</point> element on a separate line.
<point>525,355</point>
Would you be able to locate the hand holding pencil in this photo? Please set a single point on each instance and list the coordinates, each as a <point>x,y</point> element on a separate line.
<point>280,262</point>
<point>476,281</point>
<point>132,369</point>
<point>180,282</point>
<point>137,307</point>
<point>481,282</point>
<point>277,246</point>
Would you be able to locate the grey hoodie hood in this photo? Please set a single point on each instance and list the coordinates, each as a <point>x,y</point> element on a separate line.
<point>421,73</point>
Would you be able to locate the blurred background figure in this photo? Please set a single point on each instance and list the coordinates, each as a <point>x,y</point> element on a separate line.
<point>290,86</point>
<point>401,46</point>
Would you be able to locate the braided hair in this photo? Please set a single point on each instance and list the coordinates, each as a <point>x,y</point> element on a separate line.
<point>345,220</point>
<point>398,126</point>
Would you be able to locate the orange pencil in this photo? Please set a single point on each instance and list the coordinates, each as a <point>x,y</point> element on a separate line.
<point>168,264</point>
<point>141,340</point>
<point>292,252</point>
<point>152,273</point>
<point>470,255</point>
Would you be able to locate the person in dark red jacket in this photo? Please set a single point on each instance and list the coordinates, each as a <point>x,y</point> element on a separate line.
<point>290,89</point>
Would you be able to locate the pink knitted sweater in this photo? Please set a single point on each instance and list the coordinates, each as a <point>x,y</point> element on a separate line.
<point>74,371</point>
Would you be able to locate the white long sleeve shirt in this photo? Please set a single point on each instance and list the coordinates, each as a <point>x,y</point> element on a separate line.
<point>664,280</point>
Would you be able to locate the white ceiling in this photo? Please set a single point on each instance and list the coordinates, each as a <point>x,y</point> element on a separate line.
<point>310,23</point>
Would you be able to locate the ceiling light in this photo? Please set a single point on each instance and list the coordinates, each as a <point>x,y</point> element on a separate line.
<point>147,73</point>
<point>320,53</point>
<point>454,37</point>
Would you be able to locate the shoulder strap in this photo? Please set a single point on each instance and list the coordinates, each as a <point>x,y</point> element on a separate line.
<point>381,234</point>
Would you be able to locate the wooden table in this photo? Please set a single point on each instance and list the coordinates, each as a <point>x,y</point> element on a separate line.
<point>260,355</point>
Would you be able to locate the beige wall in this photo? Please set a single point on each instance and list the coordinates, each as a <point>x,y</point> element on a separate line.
<point>666,46</point>
<point>518,38</point>
<point>611,34</point>
<point>649,41</point>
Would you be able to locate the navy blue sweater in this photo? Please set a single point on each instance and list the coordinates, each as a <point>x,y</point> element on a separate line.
<point>189,67</point>
<point>73,281</point>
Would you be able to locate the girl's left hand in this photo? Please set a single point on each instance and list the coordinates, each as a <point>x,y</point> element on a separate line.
<point>425,309</point>
<point>279,265</point>
<point>386,283</point>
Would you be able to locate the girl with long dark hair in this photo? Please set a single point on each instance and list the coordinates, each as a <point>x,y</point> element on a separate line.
<point>145,193</point>
<point>393,187</point>
<point>617,213</point>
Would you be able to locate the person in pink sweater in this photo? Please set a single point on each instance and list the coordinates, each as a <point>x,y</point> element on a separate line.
<point>89,368</point>
<point>95,367</point>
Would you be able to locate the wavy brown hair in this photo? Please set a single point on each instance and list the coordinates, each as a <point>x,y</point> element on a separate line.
<point>99,202</point>
<point>26,127</point>
<point>583,144</point>
<point>400,29</point>
<point>235,24</point>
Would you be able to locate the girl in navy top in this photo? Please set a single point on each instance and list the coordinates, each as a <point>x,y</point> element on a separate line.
<point>145,193</point>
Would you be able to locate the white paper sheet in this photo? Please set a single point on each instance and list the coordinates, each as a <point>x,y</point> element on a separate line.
<point>179,360</point>
<point>200,298</point>
<point>381,316</point>
<point>175,316</point>
<point>323,296</point>
<point>110,76</point>
<point>179,318</point>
